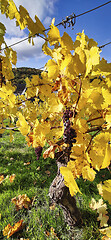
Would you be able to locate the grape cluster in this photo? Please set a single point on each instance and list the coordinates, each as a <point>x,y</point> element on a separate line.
<point>38,151</point>
<point>69,135</point>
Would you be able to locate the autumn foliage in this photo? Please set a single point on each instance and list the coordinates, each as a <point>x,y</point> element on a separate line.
<point>74,78</point>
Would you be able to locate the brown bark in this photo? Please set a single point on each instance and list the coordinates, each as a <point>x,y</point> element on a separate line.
<point>60,194</point>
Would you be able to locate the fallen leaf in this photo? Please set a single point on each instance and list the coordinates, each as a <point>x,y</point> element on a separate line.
<point>106,238</point>
<point>106,231</point>
<point>1,178</point>
<point>21,201</point>
<point>9,230</point>
<point>100,207</point>
<point>103,220</point>
<point>12,177</point>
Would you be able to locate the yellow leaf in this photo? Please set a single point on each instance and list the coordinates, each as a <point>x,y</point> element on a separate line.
<point>66,42</point>
<point>9,230</point>
<point>41,130</point>
<point>2,30</point>
<point>107,190</point>
<point>66,61</point>
<point>53,35</point>
<point>39,26</point>
<point>93,205</point>
<point>82,38</point>
<point>82,124</point>
<point>97,205</point>
<point>107,157</point>
<point>106,238</point>
<point>82,58</point>
<point>107,97</point>
<point>52,68</point>
<point>92,57</point>
<point>106,231</point>
<point>22,124</point>
<point>92,43</point>
<point>13,56</point>
<point>55,106</point>
<point>104,67</point>
<point>100,150</point>
<point>88,173</point>
<point>21,201</point>
<point>49,150</point>
<point>69,180</point>
<point>99,186</point>
<point>46,49</point>
<point>103,220</point>
<point>96,98</point>
<point>12,10</point>
<point>94,54</point>
<point>100,207</point>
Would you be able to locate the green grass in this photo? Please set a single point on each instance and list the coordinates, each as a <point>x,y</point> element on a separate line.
<point>34,181</point>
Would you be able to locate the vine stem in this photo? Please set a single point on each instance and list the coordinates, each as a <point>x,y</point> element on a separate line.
<point>74,89</point>
<point>91,140</point>
<point>8,128</point>
<point>90,120</point>
<point>94,129</point>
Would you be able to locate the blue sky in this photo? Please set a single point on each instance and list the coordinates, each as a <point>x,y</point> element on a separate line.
<point>97,25</point>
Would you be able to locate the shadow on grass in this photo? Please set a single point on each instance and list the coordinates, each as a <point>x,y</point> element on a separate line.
<point>29,171</point>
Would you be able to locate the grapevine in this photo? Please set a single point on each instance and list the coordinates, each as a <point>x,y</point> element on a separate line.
<point>71,107</point>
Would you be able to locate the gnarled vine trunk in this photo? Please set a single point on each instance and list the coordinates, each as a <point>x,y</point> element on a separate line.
<point>60,194</point>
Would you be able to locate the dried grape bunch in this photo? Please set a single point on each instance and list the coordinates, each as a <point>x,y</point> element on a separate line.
<point>69,135</point>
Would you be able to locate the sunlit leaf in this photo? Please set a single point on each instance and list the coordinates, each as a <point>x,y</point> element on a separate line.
<point>69,180</point>
<point>53,35</point>
<point>88,173</point>
<point>22,124</point>
<point>67,42</point>
<point>106,231</point>
<point>49,150</point>
<point>21,201</point>
<point>9,230</point>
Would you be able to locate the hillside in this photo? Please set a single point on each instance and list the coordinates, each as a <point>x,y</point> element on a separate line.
<point>20,74</point>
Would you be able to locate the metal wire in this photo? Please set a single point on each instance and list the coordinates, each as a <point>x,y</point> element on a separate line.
<point>69,20</point>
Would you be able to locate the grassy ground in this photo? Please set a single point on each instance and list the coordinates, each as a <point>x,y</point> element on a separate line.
<point>34,178</point>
